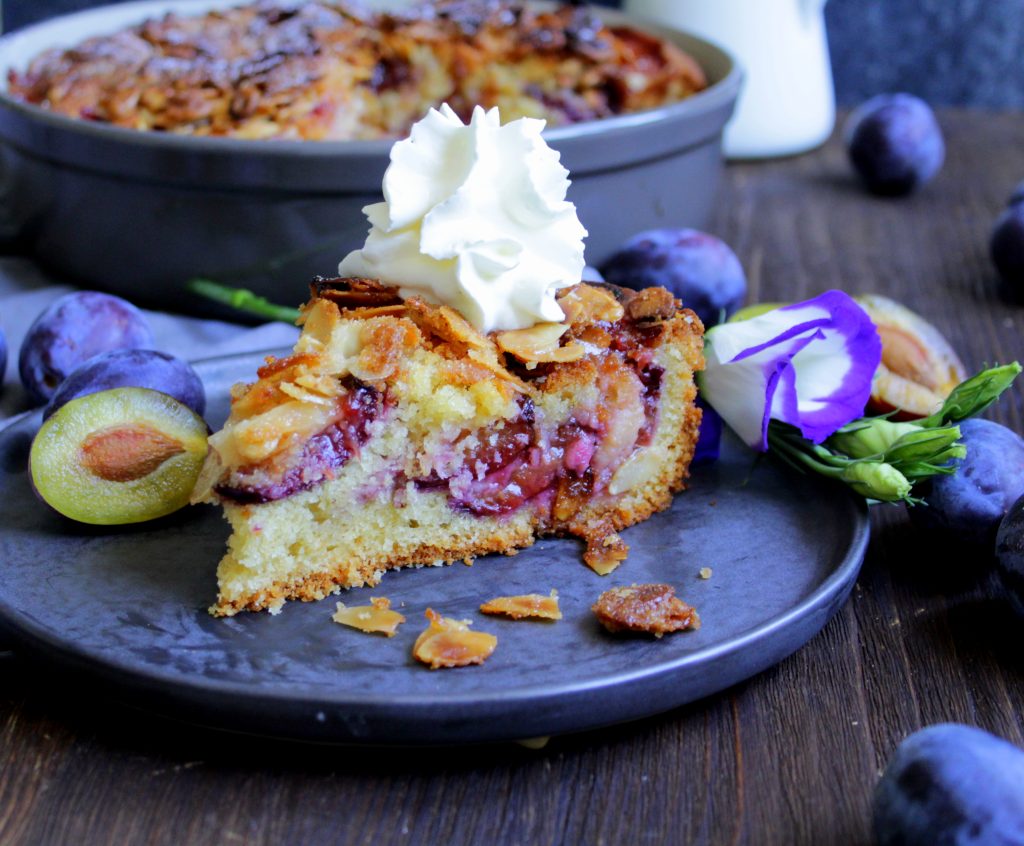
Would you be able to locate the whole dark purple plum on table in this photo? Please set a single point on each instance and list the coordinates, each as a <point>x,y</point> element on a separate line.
<point>159,371</point>
<point>1006,245</point>
<point>894,143</point>
<point>970,503</point>
<point>1010,553</point>
<point>71,331</point>
<point>951,785</point>
<point>700,269</point>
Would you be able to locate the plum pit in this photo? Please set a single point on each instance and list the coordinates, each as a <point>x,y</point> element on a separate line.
<point>127,453</point>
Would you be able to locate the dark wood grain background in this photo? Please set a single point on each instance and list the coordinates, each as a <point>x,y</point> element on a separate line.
<point>789,757</point>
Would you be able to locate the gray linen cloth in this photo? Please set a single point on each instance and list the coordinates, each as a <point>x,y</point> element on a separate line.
<point>25,291</point>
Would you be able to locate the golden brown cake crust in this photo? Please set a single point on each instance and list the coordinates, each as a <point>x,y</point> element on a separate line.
<point>330,70</point>
<point>617,415</point>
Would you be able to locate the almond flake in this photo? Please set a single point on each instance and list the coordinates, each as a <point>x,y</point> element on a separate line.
<point>588,304</point>
<point>539,344</point>
<point>450,643</point>
<point>527,605</point>
<point>376,618</point>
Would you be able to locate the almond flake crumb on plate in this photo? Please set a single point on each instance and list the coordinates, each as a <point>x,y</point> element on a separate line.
<point>375,618</point>
<point>525,606</point>
<point>705,572</point>
<point>449,643</point>
<point>654,609</point>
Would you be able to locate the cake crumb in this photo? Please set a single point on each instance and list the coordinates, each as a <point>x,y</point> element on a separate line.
<point>705,572</point>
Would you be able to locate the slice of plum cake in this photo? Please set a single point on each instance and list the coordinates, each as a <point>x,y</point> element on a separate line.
<point>396,434</point>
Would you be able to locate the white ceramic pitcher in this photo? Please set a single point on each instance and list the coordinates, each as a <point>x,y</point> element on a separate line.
<point>787,104</point>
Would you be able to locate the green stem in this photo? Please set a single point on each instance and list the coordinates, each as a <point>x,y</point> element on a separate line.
<point>243,300</point>
<point>799,457</point>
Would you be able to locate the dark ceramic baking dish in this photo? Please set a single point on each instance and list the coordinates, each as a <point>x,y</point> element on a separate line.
<point>139,213</point>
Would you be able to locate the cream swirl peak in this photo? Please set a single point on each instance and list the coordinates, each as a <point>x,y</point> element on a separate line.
<point>475,217</point>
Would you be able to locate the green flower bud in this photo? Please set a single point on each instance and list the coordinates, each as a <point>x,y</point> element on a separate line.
<point>973,396</point>
<point>876,480</point>
<point>932,445</point>
<point>871,437</point>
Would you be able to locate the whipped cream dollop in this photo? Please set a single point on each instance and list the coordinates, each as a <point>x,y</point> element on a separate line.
<point>475,217</point>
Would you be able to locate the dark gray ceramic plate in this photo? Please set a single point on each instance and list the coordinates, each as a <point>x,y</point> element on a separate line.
<point>128,607</point>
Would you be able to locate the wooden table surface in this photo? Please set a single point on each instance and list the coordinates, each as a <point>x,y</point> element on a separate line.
<point>789,757</point>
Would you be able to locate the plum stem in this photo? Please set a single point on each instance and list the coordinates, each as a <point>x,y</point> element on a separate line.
<point>242,299</point>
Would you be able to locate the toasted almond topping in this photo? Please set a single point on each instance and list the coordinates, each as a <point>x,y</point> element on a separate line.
<point>651,304</point>
<point>487,361</point>
<point>398,310</point>
<point>447,324</point>
<point>587,304</point>
<point>292,364</point>
<point>319,383</point>
<point>384,343</point>
<point>354,292</point>
<point>654,609</point>
<point>605,552</point>
<point>293,390</point>
<point>527,605</point>
<point>376,618</point>
<point>539,344</point>
<point>450,643</point>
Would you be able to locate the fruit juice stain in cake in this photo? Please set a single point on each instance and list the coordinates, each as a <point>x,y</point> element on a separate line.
<point>456,390</point>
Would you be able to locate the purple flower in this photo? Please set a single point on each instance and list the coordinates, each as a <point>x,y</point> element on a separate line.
<point>809,364</point>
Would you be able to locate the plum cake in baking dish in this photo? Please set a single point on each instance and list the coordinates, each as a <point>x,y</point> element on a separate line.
<point>397,434</point>
<point>333,70</point>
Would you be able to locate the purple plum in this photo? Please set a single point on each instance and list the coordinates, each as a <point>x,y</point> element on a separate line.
<point>700,269</point>
<point>951,785</point>
<point>970,503</point>
<point>70,332</point>
<point>132,369</point>
<point>1006,245</point>
<point>894,143</point>
<point>1010,553</point>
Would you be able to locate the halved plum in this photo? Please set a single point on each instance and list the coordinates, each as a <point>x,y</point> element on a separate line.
<point>119,456</point>
<point>919,368</point>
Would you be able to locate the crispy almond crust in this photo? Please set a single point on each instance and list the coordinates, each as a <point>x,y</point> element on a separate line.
<point>596,520</point>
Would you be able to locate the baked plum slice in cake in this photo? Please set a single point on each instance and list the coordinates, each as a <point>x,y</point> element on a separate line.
<point>397,434</point>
